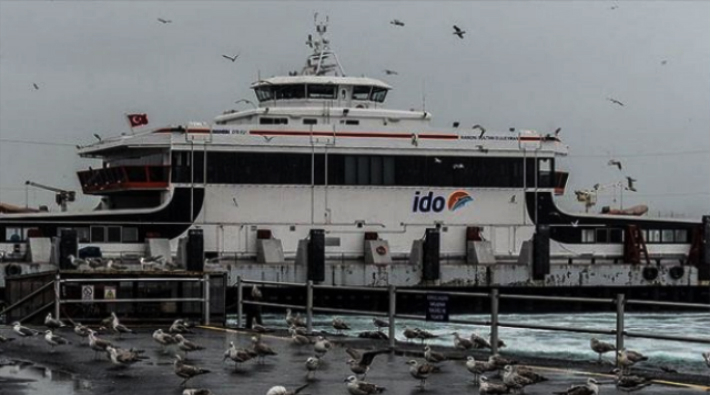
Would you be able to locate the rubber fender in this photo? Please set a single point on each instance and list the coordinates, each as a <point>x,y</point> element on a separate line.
<point>650,273</point>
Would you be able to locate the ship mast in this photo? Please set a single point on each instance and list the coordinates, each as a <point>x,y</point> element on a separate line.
<point>323,61</point>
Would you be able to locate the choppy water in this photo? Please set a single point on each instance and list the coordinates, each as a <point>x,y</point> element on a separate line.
<point>684,357</point>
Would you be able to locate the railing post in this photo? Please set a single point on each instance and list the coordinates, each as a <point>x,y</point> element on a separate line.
<point>57,295</point>
<point>309,306</point>
<point>240,308</point>
<point>620,301</point>
<point>494,321</point>
<point>206,297</point>
<point>391,311</point>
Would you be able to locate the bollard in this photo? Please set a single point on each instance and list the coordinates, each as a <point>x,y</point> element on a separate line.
<point>57,295</point>
<point>494,321</point>
<point>620,301</point>
<point>309,306</point>
<point>392,292</point>
<point>240,308</point>
<point>206,297</point>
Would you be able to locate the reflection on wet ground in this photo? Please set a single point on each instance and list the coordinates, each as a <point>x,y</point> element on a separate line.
<point>23,377</point>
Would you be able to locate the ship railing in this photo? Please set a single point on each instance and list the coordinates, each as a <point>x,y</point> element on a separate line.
<point>494,296</point>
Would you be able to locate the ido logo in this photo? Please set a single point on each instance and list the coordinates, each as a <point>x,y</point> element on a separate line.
<point>425,203</point>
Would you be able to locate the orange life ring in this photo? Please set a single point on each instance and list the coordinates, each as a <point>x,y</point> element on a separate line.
<point>382,250</point>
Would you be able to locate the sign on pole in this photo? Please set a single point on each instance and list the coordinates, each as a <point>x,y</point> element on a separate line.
<point>109,292</point>
<point>437,308</point>
<point>87,292</point>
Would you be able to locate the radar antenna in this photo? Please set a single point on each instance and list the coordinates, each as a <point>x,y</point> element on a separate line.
<point>323,61</point>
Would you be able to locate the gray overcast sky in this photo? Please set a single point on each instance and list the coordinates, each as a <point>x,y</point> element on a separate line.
<point>533,65</point>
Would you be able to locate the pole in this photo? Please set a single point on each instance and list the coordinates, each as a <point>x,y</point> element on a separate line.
<point>206,297</point>
<point>620,301</point>
<point>57,295</point>
<point>494,321</point>
<point>392,295</point>
<point>240,307</point>
<point>309,306</point>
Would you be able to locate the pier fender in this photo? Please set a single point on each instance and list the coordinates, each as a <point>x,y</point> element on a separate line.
<point>676,272</point>
<point>650,273</point>
<point>13,270</point>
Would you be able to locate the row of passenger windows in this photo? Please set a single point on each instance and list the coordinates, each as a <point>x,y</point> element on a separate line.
<point>89,234</point>
<point>318,91</point>
<point>649,235</point>
<point>394,170</point>
<point>306,121</point>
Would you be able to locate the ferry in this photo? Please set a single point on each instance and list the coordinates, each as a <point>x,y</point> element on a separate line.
<point>320,150</point>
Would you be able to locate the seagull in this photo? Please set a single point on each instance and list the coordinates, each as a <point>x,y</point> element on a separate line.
<point>557,131</point>
<point>667,369</point>
<point>409,334</point>
<point>258,328</point>
<point>500,362</point>
<point>124,358</point>
<point>279,390</point>
<point>261,349</point>
<point>478,367</point>
<point>379,324</point>
<point>481,148</point>
<point>706,357</point>
<point>360,363</point>
<point>186,345</point>
<point>299,339</point>
<point>294,320</point>
<point>322,346</point>
<point>479,342</point>
<point>54,340</point>
<point>23,331</point>
<point>117,327</point>
<point>627,358</point>
<point>433,356</point>
<point>35,86</point>
<point>268,138</point>
<point>187,371</point>
<point>339,325</point>
<point>459,32</point>
<point>575,223</point>
<point>357,387</point>
<point>601,347</point>
<point>111,265</point>
<point>457,166</point>
<point>96,344</point>
<point>615,101</point>
<point>396,22</point>
<point>630,181</point>
<point>81,330</point>
<point>178,326</point>
<point>4,339</point>
<point>164,21</point>
<point>237,355</point>
<point>591,388</point>
<point>97,137</point>
<point>487,388</point>
<point>512,199</point>
<point>256,292</point>
<point>481,128</point>
<point>664,62</point>
<point>514,380</point>
<point>614,162</point>
<point>391,72</point>
<point>232,58</point>
<point>51,323</point>
<point>613,7</point>
<point>312,365</point>
<point>299,330</point>
<point>423,334</point>
<point>626,383</point>
<point>163,339</point>
<point>197,391</point>
<point>461,343</point>
<point>420,372</point>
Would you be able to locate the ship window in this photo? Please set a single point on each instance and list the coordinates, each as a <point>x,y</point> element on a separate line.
<point>264,93</point>
<point>361,92</point>
<point>378,94</point>
<point>654,236</point>
<point>83,235</point>
<point>98,234</point>
<point>667,236</point>
<point>114,234</point>
<point>273,121</point>
<point>616,236</point>
<point>14,234</point>
<point>130,235</point>
<point>286,92</point>
<point>352,122</point>
<point>310,121</point>
<point>322,91</point>
<point>588,236</point>
<point>681,236</point>
<point>602,236</point>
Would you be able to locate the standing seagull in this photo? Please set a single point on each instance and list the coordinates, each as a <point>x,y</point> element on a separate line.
<point>459,32</point>
<point>357,387</point>
<point>81,330</point>
<point>626,383</point>
<point>433,356</point>
<point>117,327</point>
<point>322,346</point>
<point>124,358</point>
<point>256,293</point>
<point>627,358</point>
<point>409,334</point>
<point>232,58</point>
<point>420,372</point>
<point>179,326</point>
<point>237,355</point>
<point>611,99</point>
<point>339,325</point>
<point>487,388</point>
<point>312,365</point>
<point>187,371</point>
<point>591,388</point>
<point>461,343</point>
<point>261,349</point>
<point>96,344</point>
<point>54,340</point>
<point>23,331</point>
<point>479,367</point>
<point>279,390</point>
<point>600,347</point>
<point>186,345</point>
<point>479,341</point>
<point>379,324</point>
<point>706,357</point>
<point>360,363</point>
<point>52,323</point>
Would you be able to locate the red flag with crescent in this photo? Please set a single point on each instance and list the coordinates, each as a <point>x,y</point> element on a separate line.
<point>137,119</point>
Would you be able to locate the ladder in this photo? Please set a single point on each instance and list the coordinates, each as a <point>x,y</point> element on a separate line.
<point>635,246</point>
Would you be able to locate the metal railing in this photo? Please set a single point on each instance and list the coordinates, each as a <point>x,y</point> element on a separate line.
<point>620,302</point>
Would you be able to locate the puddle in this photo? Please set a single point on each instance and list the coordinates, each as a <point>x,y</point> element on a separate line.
<point>19,377</point>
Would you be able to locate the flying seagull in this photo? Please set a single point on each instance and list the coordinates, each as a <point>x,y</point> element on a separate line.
<point>232,58</point>
<point>630,185</point>
<point>611,99</point>
<point>360,363</point>
<point>161,20</point>
<point>512,199</point>
<point>459,32</point>
<point>391,72</point>
<point>97,136</point>
<point>35,86</point>
<point>614,162</point>
<point>557,131</point>
<point>481,128</point>
<point>396,22</point>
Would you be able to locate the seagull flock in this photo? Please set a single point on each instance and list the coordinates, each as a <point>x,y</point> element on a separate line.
<point>514,376</point>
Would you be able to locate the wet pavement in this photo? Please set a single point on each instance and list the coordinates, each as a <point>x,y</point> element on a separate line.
<point>72,369</point>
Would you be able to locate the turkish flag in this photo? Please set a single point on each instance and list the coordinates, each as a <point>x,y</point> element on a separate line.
<point>137,119</point>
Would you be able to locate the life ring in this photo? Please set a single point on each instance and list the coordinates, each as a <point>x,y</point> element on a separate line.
<point>13,270</point>
<point>381,250</point>
<point>676,272</point>
<point>650,273</point>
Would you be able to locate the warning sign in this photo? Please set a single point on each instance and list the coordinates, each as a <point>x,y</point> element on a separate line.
<point>87,292</point>
<point>109,292</point>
